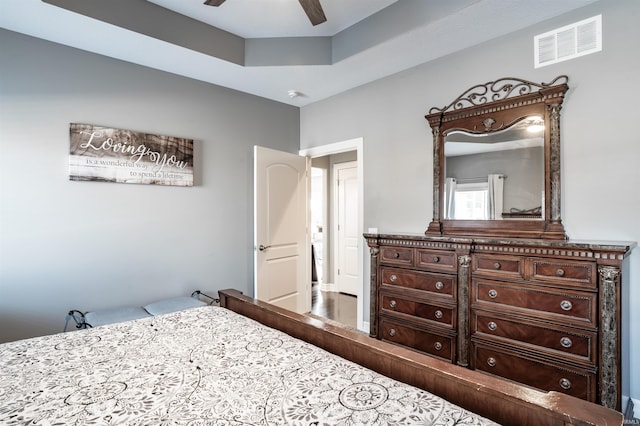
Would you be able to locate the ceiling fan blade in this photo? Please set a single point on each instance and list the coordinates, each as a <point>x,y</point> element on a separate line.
<point>314,11</point>
<point>214,2</point>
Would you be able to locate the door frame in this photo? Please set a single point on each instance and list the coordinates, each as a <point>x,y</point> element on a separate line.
<point>337,148</point>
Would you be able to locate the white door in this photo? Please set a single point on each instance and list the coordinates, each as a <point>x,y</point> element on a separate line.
<point>282,245</point>
<point>346,178</point>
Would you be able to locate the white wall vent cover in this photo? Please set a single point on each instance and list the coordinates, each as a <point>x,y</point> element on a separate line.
<point>571,41</point>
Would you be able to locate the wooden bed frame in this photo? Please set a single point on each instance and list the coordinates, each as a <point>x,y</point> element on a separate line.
<point>500,400</point>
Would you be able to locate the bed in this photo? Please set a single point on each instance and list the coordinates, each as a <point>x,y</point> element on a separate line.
<point>248,362</point>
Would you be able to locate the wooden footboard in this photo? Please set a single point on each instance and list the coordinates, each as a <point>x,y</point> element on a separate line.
<point>497,399</point>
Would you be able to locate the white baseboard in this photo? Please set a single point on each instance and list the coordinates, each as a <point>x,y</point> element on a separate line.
<point>635,410</point>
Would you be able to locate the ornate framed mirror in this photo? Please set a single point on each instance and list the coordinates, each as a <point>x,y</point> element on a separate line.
<point>496,168</point>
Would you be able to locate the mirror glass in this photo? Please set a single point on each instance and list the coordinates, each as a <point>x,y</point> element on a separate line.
<point>495,176</point>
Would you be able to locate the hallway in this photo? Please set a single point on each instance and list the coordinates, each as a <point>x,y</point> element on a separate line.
<point>335,306</point>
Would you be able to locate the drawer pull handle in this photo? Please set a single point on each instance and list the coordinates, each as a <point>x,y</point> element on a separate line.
<point>496,265</point>
<point>393,278</point>
<point>560,272</point>
<point>439,285</point>
<point>392,304</point>
<point>492,326</point>
<point>565,384</point>
<point>438,346</point>
<point>438,314</point>
<point>396,255</point>
<point>565,342</point>
<point>436,259</point>
<point>493,293</point>
<point>392,332</point>
<point>566,305</point>
<point>491,361</point>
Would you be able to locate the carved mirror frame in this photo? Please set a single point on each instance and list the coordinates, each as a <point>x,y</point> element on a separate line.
<point>492,107</point>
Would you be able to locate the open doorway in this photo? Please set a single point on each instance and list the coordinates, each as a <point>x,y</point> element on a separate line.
<point>329,219</point>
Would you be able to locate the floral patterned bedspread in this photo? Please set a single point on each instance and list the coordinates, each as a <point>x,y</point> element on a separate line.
<point>203,366</point>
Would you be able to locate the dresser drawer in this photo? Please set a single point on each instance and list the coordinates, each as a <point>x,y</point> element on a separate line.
<point>570,344</point>
<point>582,274</point>
<point>397,255</point>
<point>537,373</point>
<point>498,266</point>
<point>567,306</point>
<point>434,260</point>
<point>437,315</point>
<point>441,346</point>
<point>436,284</point>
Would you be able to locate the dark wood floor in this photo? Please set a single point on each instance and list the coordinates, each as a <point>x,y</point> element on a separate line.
<point>338,307</point>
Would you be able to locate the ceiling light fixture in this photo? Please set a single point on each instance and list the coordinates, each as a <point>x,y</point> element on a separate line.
<point>295,94</point>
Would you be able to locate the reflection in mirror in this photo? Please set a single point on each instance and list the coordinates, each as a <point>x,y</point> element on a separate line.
<point>495,176</point>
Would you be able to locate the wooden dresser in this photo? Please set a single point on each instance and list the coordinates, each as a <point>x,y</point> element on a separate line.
<point>545,313</point>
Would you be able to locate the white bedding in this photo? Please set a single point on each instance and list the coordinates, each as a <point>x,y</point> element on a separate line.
<point>203,366</point>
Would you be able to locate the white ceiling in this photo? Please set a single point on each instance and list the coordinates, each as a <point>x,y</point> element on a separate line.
<point>383,37</point>
<point>276,18</point>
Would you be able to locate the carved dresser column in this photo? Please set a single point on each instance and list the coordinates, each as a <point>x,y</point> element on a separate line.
<point>554,106</point>
<point>463,309</point>
<point>610,346</point>
<point>374,249</point>
<point>373,292</point>
<point>435,225</point>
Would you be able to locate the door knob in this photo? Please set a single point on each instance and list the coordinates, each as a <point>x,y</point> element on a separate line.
<point>263,247</point>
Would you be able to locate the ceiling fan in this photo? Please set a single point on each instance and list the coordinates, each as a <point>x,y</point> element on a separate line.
<point>312,8</point>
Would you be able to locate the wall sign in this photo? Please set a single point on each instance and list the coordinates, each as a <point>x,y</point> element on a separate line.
<point>114,155</point>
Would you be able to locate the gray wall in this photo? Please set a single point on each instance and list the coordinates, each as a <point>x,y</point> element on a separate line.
<point>91,245</point>
<point>600,147</point>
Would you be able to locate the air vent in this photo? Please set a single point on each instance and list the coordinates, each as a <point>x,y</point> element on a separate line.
<point>562,44</point>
